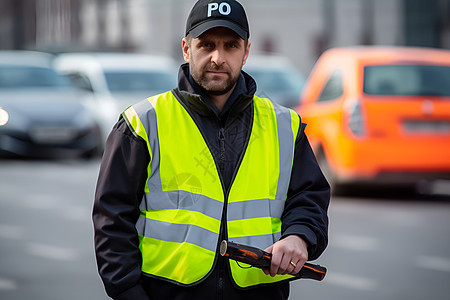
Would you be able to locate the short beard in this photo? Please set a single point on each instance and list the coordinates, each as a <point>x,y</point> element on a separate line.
<point>214,90</point>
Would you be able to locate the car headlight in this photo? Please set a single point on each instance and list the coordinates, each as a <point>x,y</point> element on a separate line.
<point>4,117</point>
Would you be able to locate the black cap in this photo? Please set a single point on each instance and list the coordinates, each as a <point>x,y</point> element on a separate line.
<point>207,14</point>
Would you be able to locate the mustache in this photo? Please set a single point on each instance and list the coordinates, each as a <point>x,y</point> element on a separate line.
<point>214,67</point>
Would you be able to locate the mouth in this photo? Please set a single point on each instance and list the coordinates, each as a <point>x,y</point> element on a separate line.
<point>217,72</point>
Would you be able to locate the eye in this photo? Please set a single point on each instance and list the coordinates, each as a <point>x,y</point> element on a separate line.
<point>207,45</point>
<point>233,44</point>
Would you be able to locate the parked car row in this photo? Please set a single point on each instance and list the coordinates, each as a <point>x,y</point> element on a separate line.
<point>374,114</point>
<point>66,104</point>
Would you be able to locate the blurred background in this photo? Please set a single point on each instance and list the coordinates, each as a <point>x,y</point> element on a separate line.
<point>298,29</point>
<point>69,67</point>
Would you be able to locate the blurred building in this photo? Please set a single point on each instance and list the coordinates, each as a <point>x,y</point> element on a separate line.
<point>299,29</point>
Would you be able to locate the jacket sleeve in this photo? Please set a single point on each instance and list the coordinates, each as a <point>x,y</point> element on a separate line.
<point>120,187</point>
<point>305,212</point>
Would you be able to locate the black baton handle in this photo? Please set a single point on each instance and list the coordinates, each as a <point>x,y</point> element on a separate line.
<point>261,259</point>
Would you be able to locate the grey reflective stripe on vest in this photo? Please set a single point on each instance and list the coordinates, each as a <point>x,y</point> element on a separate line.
<point>147,115</point>
<point>186,201</point>
<point>254,209</point>
<point>286,144</point>
<point>178,233</point>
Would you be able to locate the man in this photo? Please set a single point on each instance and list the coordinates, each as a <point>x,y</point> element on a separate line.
<point>207,162</point>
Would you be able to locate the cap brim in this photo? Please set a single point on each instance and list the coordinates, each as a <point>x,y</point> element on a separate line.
<point>203,27</point>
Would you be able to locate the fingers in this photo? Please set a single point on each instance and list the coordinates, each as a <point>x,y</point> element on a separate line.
<point>286,264</point>
<point>294,267</point>
<point>298,266</point>
<point>281,262</point>
<point>276,266</point>
<point>288,256</point>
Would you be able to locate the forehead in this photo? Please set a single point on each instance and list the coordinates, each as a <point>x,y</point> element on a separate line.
<point>220,33</point>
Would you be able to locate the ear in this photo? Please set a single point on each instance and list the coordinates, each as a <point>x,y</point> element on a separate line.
<point>247,52</point>
<point>185,48</point>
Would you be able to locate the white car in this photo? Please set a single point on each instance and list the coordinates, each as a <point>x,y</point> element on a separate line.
<point>117,80</point>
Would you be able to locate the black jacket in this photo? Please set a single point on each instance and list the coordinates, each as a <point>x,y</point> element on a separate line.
<point>120,188</point>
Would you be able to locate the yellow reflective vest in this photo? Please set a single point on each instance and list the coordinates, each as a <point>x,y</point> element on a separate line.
<point>183,203</point>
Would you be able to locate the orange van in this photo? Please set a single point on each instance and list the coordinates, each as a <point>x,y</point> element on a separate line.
<point>379,114</point>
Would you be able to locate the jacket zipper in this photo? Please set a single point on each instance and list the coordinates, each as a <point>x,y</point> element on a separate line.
<point>222,149</point>
<point>223,226</point>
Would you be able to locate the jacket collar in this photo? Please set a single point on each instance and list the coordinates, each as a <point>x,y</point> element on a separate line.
<point>197,99</point>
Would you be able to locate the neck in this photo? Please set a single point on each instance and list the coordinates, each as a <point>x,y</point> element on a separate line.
<point>220,100</point>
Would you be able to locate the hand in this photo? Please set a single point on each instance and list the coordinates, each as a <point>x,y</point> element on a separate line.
<point>290,249</point>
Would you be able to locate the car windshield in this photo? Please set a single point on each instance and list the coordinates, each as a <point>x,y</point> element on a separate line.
<point>407,80</point>
<point>12,76</point>
<point>276,81</point>
<point>139,81</point>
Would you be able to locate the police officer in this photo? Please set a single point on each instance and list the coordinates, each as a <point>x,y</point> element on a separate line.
<point>206,162</point>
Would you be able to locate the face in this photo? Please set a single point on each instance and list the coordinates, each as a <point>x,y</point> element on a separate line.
<point>215,59</point>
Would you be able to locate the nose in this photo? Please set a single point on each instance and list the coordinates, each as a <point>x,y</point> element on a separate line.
<point>217,56</point>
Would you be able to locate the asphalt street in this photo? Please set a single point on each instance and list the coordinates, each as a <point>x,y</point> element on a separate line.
<point>382,245</point>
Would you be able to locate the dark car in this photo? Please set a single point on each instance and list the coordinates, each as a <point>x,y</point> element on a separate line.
<point>42,115</point>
